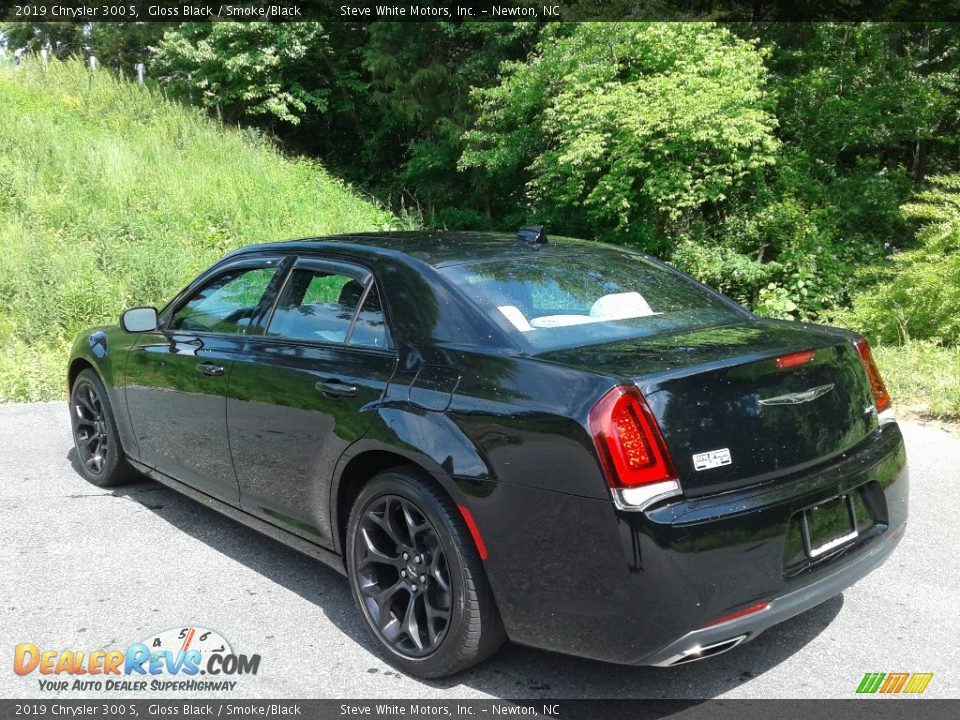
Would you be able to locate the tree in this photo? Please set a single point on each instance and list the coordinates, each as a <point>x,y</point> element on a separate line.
<point>865,111</point>
<point>920,296</point>
<point>262,73</point>
<point>62,38</point>
<point>123,45</point>
<point>628,131</point>
<point>420,76</point>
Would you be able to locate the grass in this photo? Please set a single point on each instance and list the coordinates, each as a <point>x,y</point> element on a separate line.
<point>923,379</point>
<point>111,196</point>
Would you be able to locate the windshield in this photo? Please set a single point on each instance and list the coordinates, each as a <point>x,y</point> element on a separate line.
<point>549,302</point>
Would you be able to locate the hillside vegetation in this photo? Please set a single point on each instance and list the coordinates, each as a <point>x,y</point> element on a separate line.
<point>111,196</point>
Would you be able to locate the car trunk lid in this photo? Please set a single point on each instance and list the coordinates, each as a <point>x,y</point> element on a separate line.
<point>730,414</point>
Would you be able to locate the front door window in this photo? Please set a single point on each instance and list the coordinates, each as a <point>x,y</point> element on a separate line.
<point>226,305</point>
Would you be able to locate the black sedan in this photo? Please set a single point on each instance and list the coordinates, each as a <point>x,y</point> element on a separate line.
<point>568,444</point>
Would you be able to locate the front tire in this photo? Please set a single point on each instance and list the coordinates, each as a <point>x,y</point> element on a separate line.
<point>101,458</point>
<point>417,577</point>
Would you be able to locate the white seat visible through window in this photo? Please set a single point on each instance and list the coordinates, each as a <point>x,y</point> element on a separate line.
<point>616,306</point>
<point>621,306</point>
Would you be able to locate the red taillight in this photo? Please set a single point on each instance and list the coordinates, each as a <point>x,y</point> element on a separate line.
<point>628,439</point>
<point>796,359</point>
<point>881,399</point>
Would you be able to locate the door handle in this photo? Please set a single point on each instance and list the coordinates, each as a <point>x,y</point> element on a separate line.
<point>336,388</point>
<point>210,369</point>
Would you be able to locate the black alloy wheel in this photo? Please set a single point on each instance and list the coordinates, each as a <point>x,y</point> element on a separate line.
<point>417,578</point>
<point>403,576</point>
<point>90,428</point>
<point>100,455</point>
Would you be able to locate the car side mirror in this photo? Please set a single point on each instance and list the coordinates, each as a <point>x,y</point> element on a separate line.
<point>138,320</point>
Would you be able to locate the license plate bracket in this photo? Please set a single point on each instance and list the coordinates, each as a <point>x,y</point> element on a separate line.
<point>828,525</point>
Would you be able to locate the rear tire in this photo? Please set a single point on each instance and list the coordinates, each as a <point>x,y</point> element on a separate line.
<point>101,460</point>
<point>417,578</point>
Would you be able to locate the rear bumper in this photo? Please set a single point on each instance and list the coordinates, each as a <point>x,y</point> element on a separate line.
<point>578,576</point>
<point>707,641</point>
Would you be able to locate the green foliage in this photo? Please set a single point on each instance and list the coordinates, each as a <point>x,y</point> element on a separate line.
<point>937,208</point>
<point>790,165</point>
<point>420,76</point>
<point>260,72</point>
<point>111,196</point>
<point>769,159</point>
<point>919,297</point>
<point>867,85</point>
<point>64,39</point>
<point>723,268</point>
<point>119,46</point>
<point>863,111</point>
<point>621,126</point>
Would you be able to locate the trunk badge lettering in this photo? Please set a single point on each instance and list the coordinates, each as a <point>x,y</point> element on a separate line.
<point>798,397</point>
<point>711,459</point>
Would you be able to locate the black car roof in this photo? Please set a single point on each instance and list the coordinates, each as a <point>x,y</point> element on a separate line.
<point>437,248</point>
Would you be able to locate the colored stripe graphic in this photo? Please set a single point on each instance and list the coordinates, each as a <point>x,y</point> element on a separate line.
<point>871,682</point>
<point>865,683</point>
<point>918,682</point>
<point>894,682</point>
<point>900,682</point>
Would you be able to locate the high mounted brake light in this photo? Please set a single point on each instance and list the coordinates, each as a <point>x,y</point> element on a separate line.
<point>628,440</point>
<point>785,362</point>
<point>881,398</point>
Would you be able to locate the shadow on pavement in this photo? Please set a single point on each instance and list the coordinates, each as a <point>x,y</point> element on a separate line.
<point>515,671</point>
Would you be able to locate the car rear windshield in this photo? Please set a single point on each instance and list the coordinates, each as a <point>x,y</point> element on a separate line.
<point>548,302</point>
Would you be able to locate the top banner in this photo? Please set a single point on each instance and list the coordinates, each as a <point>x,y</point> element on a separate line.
<point>359,11</point>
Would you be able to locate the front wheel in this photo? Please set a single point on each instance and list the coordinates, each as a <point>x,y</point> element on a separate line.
<point>417,578</point>
<point>101,458</point>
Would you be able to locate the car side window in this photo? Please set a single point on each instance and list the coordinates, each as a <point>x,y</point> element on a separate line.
<point>316,305</point>
<point>320,305</point>
<point>226,305</point>
<point>370,329</point>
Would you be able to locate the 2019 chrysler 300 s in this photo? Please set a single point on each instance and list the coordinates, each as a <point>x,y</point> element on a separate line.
<point>565,443</point>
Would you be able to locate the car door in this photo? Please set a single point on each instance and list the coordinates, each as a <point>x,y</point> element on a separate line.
<point>176,377</point>
<point>305,390</point>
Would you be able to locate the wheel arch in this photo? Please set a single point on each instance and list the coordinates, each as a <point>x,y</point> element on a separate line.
<point>360,465</point>
<point>90,353</point>
<point>77,366</point>
<point>97,349</point>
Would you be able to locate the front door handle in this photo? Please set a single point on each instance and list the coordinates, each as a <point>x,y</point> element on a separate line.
<point>210,369</point>
<point>336,388</point>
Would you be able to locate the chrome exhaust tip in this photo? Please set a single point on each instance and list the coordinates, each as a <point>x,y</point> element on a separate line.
<point>702,652</point>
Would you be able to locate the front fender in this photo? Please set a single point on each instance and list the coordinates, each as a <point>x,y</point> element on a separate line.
<point>105,350</point>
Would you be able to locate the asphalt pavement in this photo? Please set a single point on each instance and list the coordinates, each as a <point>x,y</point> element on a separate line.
<point>84,568</point>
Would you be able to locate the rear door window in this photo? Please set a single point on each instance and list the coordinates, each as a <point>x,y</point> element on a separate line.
<point>370,328</point>
<point>321,304</point>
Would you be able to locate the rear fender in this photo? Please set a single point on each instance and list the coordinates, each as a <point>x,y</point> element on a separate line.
<point>427,439</point>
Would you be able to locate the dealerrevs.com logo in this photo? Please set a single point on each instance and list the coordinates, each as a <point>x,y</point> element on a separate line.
<point>190,659</point>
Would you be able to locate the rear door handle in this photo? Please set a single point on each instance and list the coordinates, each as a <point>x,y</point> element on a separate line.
<point>210,369</point>
<point>336,388</point>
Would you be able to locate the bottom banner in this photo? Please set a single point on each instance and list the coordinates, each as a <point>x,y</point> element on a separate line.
<point>418,709</point>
